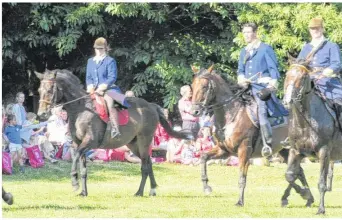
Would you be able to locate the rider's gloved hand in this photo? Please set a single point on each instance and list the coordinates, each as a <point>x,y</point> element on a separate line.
<point>90,89</point>
<point>101,89</point>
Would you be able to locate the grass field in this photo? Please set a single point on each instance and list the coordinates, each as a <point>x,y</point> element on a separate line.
<point>47,192</point>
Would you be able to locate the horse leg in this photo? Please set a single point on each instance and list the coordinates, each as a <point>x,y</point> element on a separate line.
<point>144,175</point>
<point>324,158</point>
<point>83,168</point>
<point>141,146</point>
<point>330,176</point>
<point>293,172</point>
<point>74,174</point>
<point>243,153</point>
<point>305,192</point>
<point>152,179</point>
<point>217,152</point>
<point>7,197</point>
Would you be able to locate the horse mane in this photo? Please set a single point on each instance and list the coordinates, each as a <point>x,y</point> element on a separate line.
<point>233,87</point>
<point>71,83</point>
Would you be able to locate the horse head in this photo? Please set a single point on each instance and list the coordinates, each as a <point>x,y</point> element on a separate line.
<point>48,92</point>
<point>203,90</point>
<point>297,83</point>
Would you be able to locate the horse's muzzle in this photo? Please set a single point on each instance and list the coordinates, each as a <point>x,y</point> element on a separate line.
<point>42,116</point>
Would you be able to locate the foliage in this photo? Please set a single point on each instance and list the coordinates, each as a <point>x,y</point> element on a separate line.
<point>153,43</point>
<point>47,193</point>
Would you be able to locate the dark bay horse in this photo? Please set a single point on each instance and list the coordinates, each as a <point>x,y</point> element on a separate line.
<point>241,137</point>
<point>89,131</point>
<point>313,131</point>
<point>7,197</point>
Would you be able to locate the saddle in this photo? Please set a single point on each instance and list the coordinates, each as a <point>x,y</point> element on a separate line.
<point>100,107</point>
<point>252,111</point>
<point>334,108</point>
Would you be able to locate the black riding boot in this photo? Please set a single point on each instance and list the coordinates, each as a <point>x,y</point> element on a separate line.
<point>114,123</point>
<point>266,135</point>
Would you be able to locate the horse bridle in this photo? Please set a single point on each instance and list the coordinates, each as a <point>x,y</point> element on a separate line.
<point>205,103</point>
<point>300,96</point>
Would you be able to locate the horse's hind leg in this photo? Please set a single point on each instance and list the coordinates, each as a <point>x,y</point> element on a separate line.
<point>74,174</point>
<point>330,176</point>
<point>214,153</point>
<point>140,145</point>
<point>7,197</point>
<point>83,168</point>
<point>152,179</point>
<point>243,153</point>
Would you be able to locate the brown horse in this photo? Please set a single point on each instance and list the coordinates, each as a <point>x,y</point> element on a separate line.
<point>313,131</point>
<point>89,131</point>
<point>229,104</point>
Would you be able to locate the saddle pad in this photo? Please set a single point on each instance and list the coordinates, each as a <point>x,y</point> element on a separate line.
<point>274,121</point>
<point>101,110</point>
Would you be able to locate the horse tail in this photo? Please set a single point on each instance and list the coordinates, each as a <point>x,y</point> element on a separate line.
<point>165,124</point>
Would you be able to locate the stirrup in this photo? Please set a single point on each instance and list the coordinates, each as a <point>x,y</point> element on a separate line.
<point>266,151</point>
<point>285,143</point>
<point>114,132</point>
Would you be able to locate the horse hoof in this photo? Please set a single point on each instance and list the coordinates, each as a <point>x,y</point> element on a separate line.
<point>207,190</point>
<point>138,194</point>
<point>309,202</point>
<point>320,212</point>
<point>239,204</point>
<point>8,198</point>
<point>284,203</point>
<point>83,194</point>
<point>75,187</point>
<point>153,192</point>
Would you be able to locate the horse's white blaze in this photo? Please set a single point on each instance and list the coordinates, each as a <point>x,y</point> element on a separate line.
<point>288,94</point>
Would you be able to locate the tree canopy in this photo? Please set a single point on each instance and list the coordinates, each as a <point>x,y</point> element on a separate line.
<point>154,43</point>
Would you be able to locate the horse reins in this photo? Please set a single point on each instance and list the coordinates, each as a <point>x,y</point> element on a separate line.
<point>54,98</point>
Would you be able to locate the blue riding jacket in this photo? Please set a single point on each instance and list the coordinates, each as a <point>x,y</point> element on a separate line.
<point>105,72</point>
<point>263,60</point>
<point>328,56</point>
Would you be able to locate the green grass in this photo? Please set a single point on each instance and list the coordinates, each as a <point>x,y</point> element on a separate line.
<point>47,192</point>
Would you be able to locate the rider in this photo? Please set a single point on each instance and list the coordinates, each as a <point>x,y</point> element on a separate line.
<point>100,78</point>
<point>258,66</point>
<point>325,60</point>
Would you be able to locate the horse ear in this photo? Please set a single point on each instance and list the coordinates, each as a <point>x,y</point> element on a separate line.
<point>211,68</point>
<point>194,69</point>
<point>291,59</point>
<point>39,75</point>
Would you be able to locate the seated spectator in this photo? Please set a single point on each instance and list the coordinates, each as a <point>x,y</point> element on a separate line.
<point>12,135</point>
<point>119,154</point>
<point>188,153</point>
<point>30,137</point>
<point>204,143</point>
<point>161,137</point>
<point>57,129</point>
<point>174,147</point>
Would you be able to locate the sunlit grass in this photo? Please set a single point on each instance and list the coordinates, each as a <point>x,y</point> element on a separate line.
<point>47,192</point>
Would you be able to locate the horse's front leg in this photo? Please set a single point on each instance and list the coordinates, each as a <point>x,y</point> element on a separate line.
<point>244,152</point>
<point>214,153</point>
<point>324,158</point>
<point>80,150</point>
